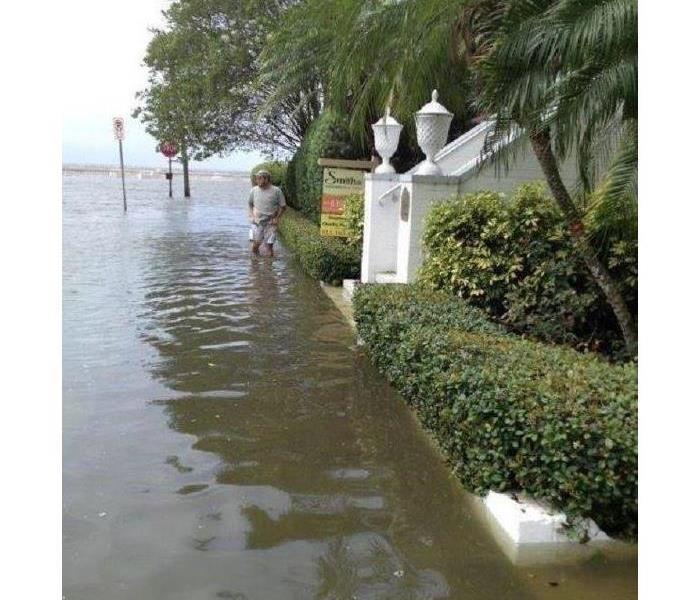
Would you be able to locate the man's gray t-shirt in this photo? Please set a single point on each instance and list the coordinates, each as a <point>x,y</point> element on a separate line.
<point>265,202</point>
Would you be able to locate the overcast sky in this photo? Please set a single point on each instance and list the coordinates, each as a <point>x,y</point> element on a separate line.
<point>104,47</point>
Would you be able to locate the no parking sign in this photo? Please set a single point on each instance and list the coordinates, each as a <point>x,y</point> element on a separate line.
<point>118,128</point>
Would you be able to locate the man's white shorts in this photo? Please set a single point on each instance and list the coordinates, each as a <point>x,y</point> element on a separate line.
<point>263,232</point>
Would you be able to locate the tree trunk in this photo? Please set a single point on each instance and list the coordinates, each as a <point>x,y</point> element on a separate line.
<point>185,170</point>
<point>541,145</point>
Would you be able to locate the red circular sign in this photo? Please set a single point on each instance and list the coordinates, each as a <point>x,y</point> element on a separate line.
<point>168,149</point>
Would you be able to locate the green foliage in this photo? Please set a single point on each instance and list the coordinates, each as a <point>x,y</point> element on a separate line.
<point>515,259</point>
<point>569,68</point>
<point>277,169</point>
<point>324,258</point>
<point>367,54</point>
<point>510,414</point>
<point>289,185</point>
<point>355,213</point>
<point>464,242</point>
<point>328,137</point>
<point>203,67</point>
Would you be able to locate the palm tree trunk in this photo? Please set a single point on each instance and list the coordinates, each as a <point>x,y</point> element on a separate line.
<point>185,170</point>
<point>541,145</point>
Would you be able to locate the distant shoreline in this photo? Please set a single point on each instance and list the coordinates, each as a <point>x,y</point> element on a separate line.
<point>148,172</point>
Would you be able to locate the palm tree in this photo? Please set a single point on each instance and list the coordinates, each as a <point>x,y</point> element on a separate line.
<point>363,54</point>
<point>564,72</point>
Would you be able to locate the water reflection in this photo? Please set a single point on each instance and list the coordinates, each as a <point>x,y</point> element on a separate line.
<point>366,566</point>
<point>309,447</point>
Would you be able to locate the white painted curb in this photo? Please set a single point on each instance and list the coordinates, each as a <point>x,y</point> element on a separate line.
<point>527,521</point>
<point>349,286</point>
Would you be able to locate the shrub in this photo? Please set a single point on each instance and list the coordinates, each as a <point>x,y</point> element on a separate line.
<point>355,213</point>
<point>465,241</point>
<point>325,258</point>
<point>515,259</point>
<point>510,414</point>
<point>327,136</point>
<point>278,172</point>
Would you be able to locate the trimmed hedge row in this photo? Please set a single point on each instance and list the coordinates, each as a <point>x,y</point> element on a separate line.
<point>328,259</point>
<point>510,414</point>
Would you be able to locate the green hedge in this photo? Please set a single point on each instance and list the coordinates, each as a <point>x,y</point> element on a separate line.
<point>278,172</point>
<point>355,214</point>
<point>326,137</point>
<point>510,414</point>
<point>325,258</point>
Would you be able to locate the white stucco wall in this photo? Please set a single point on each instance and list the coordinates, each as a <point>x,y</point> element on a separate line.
<point>526,168</point>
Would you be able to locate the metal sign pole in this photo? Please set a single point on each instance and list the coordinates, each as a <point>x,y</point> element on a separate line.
<point>121,162</point>
<point>169,150</point>
<point>118,129</point>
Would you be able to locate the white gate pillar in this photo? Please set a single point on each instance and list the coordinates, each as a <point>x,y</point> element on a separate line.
<point>381,225</point>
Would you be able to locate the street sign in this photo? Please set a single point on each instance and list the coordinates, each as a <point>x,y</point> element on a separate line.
<point>118,128</point>
<point>168,149</point>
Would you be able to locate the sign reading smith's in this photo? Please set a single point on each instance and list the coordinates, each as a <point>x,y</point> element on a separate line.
<point>337,185</point>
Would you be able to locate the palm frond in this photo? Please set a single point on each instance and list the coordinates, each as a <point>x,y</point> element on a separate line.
<point>613,210</point>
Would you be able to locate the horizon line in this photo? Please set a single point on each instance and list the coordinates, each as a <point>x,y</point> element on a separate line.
<point>177,167</point>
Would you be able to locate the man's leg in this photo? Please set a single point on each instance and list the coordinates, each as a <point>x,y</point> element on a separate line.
<point>255,239</point>
<point>270,237</point>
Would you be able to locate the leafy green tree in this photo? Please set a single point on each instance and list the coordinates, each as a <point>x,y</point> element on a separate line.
<point>165,107</point>
<point>202,91</point>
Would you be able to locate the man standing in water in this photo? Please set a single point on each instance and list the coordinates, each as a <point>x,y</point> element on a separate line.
<point>265,207</point>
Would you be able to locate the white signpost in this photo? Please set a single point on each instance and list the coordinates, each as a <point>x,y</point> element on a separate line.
<point>119,134</point>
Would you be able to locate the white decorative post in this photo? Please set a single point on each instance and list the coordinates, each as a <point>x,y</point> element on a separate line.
<point>432,126</point>
<point>386,139</point>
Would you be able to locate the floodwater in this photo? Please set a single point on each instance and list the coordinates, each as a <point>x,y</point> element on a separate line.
<point>223,436</point>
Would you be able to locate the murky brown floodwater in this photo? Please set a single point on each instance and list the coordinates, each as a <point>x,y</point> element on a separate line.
<point>224,438</point>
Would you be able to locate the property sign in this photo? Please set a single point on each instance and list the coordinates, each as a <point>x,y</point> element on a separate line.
<point>118,128</point>
<point>337,185</point>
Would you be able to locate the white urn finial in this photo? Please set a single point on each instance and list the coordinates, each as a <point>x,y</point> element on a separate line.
<point>386,139</point>
<point>432,126</point>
